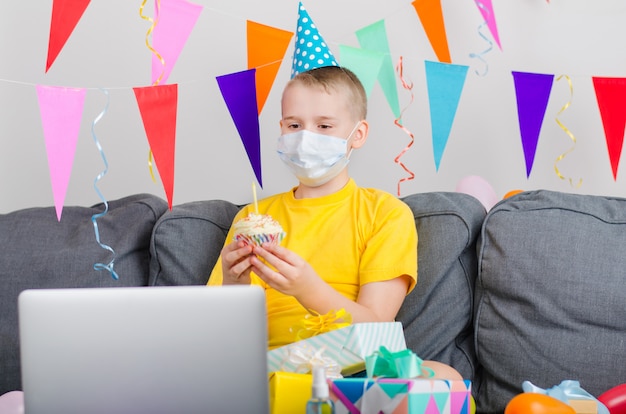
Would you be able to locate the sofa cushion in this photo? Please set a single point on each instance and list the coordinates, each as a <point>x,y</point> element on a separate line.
<point>551,295</point>
<point>40,252</point>
<point>437,314</point>
<point>186,242</point>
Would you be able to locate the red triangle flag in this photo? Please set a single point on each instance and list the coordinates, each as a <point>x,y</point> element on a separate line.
<point>611,97</point>
<point>158,105</point>
<point>65,16</point>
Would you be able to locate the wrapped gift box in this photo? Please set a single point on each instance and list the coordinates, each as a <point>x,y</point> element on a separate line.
<point>289,392</point>
<point>400,396</point>
<point>347,346</point>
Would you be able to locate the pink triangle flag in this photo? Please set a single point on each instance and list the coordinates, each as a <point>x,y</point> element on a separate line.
<point>486,9</point>
<point>532,92</point>
<point>239,93</point>
<point>65,17</point>
<point>175,21</point>
<point>61,113</point>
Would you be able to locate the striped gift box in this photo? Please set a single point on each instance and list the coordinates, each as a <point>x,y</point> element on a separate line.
<point>347,346</point>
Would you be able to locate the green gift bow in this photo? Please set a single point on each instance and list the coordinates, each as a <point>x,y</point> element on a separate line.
<point>401,364</point>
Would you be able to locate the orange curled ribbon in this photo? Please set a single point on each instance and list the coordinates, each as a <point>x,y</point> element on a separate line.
<point>314,323</point>
<point>568,132</point>
<point>156,82</point>
<point>398,121</point>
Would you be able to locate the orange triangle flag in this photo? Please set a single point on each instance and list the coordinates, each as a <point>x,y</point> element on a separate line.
<point>158,105</point>
<point>431,16</point>
<point>65,17</point>
<point>266,49</point>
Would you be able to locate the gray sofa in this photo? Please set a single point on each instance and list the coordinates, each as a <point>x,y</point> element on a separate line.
<point>534,290</point>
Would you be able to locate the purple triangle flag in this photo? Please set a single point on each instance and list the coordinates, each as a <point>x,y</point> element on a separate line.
<point>61,113</point>
<point>532,91</point>
<point>239,92</point>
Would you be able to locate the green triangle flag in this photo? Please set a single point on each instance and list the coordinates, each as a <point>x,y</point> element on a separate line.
<point>445,83</point>
<point>364,63</point>
<point>374,37</point>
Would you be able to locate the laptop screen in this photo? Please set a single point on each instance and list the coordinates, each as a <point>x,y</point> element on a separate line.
<point>184,349</point>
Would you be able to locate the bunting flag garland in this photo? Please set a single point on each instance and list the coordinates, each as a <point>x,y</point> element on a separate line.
<point>266,50</point>
<point>239,93</point>
<point>532,91</point>
<point>611,97</point>
<point>61,113</point>
<point>374,37</point>
<point>158,106</point>
<point>65,17</point>
<point>431,16</point>
<point>366,64</point>
<point>445,85</point>
<point>177,19</point>
<point>486,9</point>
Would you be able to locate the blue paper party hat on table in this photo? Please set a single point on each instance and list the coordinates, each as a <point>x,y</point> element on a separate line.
<point>310,49</point>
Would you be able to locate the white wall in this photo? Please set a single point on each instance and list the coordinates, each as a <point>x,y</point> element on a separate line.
<point>580,38</point>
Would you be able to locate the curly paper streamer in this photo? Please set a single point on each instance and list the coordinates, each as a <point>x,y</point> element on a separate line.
<point>94,219</point>
<point>480,55</point>
<point>398,122</point>
<point>314,323</point>
<point>568,132</point>
<point>149,32</point>
<point>156,82</point>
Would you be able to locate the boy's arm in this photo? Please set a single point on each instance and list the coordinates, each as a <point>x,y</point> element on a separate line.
<point>377,301</point>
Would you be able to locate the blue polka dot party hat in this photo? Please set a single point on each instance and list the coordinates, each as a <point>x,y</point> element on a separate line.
<point>310,50</point>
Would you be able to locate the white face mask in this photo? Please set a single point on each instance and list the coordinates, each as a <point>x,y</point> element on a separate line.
<point>314,159</point>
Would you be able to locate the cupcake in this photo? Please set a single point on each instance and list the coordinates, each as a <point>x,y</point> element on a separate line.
<point>258,229</point>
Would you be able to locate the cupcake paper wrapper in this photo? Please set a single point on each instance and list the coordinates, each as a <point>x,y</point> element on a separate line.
<point>259,239</point>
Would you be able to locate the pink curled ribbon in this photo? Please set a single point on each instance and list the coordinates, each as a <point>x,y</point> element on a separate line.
<point>94,219</point>
<point>398,121</point>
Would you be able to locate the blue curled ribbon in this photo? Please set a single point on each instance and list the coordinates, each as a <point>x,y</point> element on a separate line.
<point>305,357</point>
<point>401,364</point>
<point>100,266</point>
<point>480,55</point>
<point>565,391</point>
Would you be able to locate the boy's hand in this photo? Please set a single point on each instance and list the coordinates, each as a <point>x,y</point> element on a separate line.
<point>293,275</point>
<point>236,264</point>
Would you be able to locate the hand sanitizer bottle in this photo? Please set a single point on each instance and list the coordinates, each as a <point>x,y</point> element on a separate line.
<point>319,402</point>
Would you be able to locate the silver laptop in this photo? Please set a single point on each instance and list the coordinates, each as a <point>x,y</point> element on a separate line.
<point>186,349</point>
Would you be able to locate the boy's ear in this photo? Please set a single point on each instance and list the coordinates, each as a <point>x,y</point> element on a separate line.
<point>360,134</point>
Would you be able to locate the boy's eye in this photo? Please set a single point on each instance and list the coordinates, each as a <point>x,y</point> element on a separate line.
<point>324,126</point>
<point>294,126</point>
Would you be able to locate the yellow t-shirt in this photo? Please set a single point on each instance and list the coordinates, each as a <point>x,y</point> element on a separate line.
<point>352,237</point>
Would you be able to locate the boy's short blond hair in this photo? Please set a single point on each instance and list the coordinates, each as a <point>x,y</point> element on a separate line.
<point>334,78</point>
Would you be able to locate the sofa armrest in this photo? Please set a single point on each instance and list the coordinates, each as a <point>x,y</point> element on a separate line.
<point>437,314</point>
<point>187,241</point>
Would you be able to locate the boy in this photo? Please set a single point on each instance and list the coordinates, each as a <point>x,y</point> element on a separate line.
<point>345,246</point>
